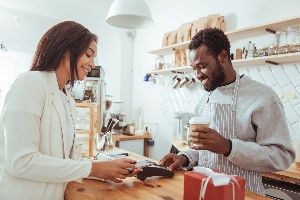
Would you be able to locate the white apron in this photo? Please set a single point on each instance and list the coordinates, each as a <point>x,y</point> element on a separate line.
<point>224,122</point>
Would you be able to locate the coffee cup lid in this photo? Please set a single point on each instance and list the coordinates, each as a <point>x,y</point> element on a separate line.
<point>199,120</point>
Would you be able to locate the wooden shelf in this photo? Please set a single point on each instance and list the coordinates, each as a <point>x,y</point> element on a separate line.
<point>279,59</point>
<point>240,33</point>
<point>169,49</point>
<point>184,69</point>
<point>123,137</point>
<point>258,30</point>
<point>90,106</point>
<point>276,59</point>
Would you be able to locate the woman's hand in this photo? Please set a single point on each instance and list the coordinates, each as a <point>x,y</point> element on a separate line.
<point>114,170</point>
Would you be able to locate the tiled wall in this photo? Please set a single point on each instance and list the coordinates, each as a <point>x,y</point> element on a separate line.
<point>284,79</point>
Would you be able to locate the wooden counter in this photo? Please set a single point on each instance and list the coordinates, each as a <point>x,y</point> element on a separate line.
<point>132,188</point>
<point>291,175</point>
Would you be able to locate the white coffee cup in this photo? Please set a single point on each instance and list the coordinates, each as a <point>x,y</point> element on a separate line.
<point>198,122</point>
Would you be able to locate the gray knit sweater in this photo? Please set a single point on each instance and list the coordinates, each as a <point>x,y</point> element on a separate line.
<point>263,142</point>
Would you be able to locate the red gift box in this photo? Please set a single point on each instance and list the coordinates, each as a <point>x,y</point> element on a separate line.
<point>194,182</point>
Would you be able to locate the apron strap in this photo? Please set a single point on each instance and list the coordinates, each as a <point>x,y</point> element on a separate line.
<point>235,91</point>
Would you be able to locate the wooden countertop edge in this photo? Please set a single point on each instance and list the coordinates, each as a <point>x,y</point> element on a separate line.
<point>283,178</point>
<point>84,190</point>
<point>291,175</point>
<point>253,195</point>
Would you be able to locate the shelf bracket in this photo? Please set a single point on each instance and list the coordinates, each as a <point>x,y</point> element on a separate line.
<point>271,62</point>
<point>270,31</point>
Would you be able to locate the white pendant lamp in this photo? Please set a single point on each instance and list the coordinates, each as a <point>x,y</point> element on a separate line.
<point>130,14</point>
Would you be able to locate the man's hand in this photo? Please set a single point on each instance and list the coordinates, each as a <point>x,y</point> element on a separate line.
<point>173,161</point>
<point>209,139</point>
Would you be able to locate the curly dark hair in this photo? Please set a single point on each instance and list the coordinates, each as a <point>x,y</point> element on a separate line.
<point>65,36</point>
<point>215,40</point>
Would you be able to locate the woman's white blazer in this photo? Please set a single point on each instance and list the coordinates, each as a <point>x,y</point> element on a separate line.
<point>34,164</point>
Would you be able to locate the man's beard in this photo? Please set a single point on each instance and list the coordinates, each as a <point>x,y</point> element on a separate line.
<point>217,79</point>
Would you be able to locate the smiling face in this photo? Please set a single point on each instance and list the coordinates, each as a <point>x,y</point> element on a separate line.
<point>86,62</point>
<point>208,69</point>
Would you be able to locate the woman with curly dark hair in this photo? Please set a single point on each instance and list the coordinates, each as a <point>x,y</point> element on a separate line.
<point>38,121</point>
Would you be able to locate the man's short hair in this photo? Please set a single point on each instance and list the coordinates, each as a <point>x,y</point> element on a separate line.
<point>214,39</point>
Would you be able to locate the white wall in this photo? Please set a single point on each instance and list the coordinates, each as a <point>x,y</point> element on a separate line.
<point>168,15</point>
<point>11,64</point>
<point>35,17</point>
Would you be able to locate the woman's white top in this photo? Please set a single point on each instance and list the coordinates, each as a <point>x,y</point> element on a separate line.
<point>35,140</point>
<point>70,134</point>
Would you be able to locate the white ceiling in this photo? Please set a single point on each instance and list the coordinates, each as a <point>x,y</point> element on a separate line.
<point>34,17</point>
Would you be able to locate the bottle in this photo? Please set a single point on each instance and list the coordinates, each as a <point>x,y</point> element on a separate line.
<point>159,62</point>
<point>139,119</point>
<point>140,122</point>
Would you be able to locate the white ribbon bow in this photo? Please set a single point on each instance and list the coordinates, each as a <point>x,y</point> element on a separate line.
<point>218,179</point>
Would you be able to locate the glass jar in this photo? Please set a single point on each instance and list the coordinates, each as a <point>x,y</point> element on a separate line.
<point>118,107</point>
<point>294,38</point>
<point>188,138</point>
<point>159,62</point>
<point>282,45</point>
<point>262,52</point>
<point>108,101</point>
<point>78,90</point>
<point>109,144</point>
<point>272,50</point>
